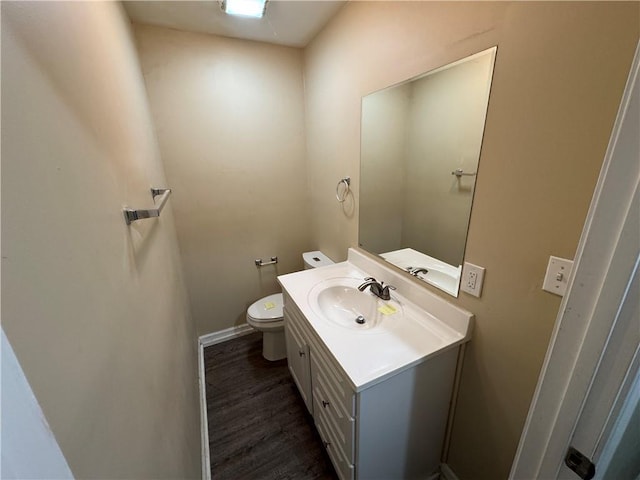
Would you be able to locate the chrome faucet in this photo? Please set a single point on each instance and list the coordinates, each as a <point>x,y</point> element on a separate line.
<point>377,288</point>
<point>415,271</point>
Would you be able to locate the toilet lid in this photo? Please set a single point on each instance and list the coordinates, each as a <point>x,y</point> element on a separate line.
<point>267,309</point>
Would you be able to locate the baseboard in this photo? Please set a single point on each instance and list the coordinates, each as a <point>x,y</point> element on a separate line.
<point>224,335</point>
<point>447,473</point>
<point>204,422</point>
<point>435,476</point>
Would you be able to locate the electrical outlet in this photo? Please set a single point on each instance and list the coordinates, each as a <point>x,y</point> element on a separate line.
<point>557,277</point>
<point>472,276</point>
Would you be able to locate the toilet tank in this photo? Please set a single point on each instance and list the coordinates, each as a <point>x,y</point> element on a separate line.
<point>316,259</point>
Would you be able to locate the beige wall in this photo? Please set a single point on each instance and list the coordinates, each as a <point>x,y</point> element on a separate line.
<point>559,75</point>
<point>230,121</point>
<point>96,311</point>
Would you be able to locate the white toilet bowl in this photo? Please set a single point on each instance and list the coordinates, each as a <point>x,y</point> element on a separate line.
<point>266,315</point>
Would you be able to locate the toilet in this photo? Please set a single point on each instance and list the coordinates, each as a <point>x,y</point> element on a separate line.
<point>265,315</point>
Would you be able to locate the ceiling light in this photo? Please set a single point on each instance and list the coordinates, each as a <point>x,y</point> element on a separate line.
<point>245,8</point>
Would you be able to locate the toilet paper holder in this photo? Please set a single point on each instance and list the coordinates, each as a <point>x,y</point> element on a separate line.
<point>260,263</point>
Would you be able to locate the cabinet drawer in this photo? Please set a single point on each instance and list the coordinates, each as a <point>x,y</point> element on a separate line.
<point>333,381</point>
<point>344,468</point>
<point>341,426</point>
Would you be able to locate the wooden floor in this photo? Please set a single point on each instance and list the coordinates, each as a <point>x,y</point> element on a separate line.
<point>258,425</point>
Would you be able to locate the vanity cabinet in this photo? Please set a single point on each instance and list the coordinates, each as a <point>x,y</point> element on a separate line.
<point>392,427</point>
<point>298,360</point>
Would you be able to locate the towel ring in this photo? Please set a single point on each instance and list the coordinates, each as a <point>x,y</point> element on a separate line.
<point>346,181</point>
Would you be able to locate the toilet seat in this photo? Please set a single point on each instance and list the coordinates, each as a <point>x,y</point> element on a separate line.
<point>266,310</point>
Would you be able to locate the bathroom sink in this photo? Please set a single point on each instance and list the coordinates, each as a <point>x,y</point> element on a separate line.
<point>440,274</point>
<point>338,301</point>
<point>440,278</point>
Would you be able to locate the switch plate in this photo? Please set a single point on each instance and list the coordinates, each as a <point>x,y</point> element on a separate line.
<point>472,277</point>
<point>557,277</point>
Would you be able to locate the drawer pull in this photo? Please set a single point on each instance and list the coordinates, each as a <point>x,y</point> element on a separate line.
<point>326,444</point>
<point>325,404</point>
<point>301,353</point>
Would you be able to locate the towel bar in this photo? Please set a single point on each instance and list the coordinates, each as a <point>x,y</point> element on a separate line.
<point>131,215</point>
<point>458,172</point>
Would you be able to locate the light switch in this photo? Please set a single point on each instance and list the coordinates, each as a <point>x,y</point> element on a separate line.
<point>557,277</point>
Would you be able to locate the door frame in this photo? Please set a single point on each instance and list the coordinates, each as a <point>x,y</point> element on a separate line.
<point>603,264</point>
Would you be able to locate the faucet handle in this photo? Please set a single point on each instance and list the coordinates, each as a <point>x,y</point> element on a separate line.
<point>386,288</point>
<point>384,294</point>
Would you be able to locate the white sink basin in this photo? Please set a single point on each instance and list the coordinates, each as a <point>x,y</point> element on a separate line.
<point>441,274</point>
<point>439,278</point>
<point>338,301</point>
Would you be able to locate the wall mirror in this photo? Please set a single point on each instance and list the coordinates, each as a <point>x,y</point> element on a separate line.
<point>420,148</point>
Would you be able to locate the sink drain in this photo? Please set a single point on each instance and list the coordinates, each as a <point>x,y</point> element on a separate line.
<point>360,320</point>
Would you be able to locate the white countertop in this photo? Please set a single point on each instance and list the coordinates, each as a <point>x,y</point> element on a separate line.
<point>401,341</point>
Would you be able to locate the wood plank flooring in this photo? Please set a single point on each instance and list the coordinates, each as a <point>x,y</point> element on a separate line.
<point>259,427</point>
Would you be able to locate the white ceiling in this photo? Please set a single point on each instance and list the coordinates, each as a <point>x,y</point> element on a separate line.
<point>286,22</point>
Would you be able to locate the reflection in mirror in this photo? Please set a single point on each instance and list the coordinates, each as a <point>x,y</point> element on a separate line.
<point>419,158</point>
